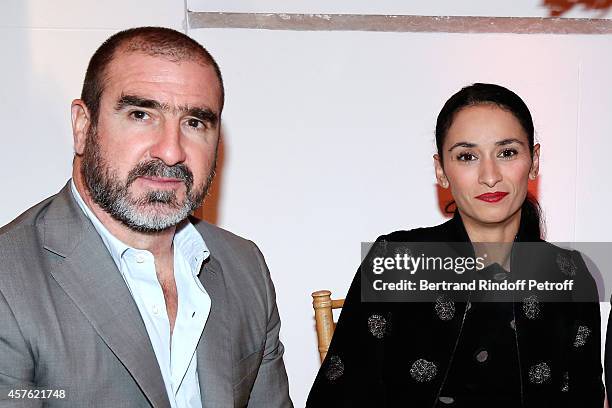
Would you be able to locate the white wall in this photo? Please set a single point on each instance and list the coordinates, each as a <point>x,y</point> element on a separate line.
<point>328,136</point>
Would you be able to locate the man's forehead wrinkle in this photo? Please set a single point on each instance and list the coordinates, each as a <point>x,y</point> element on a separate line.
<point>157,73</point>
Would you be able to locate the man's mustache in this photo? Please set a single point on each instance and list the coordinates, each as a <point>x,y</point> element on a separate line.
<point>157,168</point>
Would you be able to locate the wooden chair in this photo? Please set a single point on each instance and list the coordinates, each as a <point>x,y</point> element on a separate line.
<point>324,318</point>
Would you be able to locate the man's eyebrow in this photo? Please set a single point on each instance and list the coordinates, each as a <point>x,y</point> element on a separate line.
<point>204,114</point>
<point>140,102</point>
<point>463,144</point>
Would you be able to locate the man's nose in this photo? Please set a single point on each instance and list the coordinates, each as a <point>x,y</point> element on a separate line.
<point>489,172</point>
<point>169,144</point>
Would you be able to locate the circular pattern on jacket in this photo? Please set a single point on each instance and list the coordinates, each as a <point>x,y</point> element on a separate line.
<point>377,325</point>
<point>565,382</point>
<point>566,264</point>
<point>445,309</point>
<point>500,276</point>
<point>482,356</point>
<point>582,335</point>
<point>531,307</point>
<point>402,250</point>
<point>423,370</point>
<point>539,373</point>
<point>334,368</point>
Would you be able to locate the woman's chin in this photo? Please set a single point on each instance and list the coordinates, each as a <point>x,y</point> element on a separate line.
<point>492,216</point>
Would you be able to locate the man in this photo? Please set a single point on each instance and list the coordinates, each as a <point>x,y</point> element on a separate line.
<point>110,296</point>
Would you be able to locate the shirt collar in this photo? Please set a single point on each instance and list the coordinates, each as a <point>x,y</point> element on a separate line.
<point>187,240</point>
<point>189,243</point>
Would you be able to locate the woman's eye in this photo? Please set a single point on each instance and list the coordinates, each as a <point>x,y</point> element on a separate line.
<point>466,157</point>
<point>507,153</point>
<point>139,115</point>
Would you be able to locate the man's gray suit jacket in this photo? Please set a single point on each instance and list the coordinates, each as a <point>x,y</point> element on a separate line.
<point>68,321</point>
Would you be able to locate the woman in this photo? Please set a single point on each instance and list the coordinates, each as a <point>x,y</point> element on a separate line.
<point>461,352</point>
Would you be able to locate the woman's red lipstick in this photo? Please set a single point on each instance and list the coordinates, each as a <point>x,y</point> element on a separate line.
<point>492,197</point>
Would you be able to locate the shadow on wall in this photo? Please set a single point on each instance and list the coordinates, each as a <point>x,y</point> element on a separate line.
<point>445,198</point>
<point>209,210</point>
<point>556,8</point>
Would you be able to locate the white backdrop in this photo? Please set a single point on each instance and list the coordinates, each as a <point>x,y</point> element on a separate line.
<point>328,136</point>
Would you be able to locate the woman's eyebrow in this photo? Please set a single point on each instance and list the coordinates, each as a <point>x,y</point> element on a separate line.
<point>500,143</point>
<point>509,141</point>
<point>463,144</point>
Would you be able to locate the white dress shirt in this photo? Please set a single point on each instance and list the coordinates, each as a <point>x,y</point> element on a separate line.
<point>176,354</point>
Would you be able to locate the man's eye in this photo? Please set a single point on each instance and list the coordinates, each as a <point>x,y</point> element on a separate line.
<point>507,153</point>
<point>196,124</point>
<point>139,115</point>
<point>466,157</point>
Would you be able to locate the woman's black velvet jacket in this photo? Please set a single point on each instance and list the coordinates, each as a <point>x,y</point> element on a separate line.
<point>523,353</point>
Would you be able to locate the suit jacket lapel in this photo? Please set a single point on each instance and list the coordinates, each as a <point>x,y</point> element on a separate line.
<point>214,352</point>
<point>90,278</point>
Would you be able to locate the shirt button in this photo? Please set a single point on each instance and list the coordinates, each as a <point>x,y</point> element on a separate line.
<point>140,258</point>
<point>156,309</point>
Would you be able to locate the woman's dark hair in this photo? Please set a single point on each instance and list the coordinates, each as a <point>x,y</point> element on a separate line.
<point>491,94</point>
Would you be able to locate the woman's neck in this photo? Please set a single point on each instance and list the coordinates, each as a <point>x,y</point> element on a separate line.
<point>492,232</point>
<point>493,242</point>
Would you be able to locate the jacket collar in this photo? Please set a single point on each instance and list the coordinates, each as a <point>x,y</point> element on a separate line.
<point>527,231</point>
<point>90,278</point>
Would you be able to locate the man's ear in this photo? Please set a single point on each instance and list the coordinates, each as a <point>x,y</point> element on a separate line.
<point>81,121</point>
<point>535,162</point>
<point>440,176</point>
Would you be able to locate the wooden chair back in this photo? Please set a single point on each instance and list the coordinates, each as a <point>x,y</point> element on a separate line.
<point>323,305</point>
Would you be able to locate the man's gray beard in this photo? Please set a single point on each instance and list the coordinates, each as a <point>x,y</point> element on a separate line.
<point>112,195</point>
